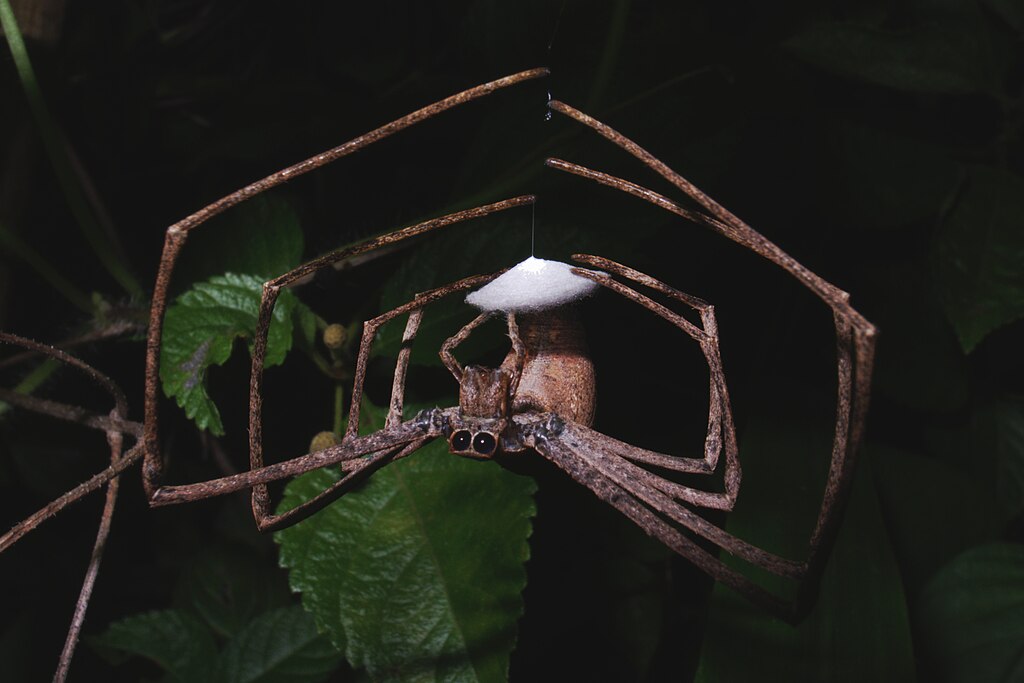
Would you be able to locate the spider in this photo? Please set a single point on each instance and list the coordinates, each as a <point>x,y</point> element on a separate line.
<point>541,396</point>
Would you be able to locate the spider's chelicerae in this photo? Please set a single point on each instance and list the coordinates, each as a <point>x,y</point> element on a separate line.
<point>541,397</point>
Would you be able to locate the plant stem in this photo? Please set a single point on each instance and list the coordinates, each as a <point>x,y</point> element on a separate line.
<point>57,148</point>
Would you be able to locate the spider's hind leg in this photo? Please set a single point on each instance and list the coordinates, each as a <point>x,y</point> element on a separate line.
<point>721,431</point>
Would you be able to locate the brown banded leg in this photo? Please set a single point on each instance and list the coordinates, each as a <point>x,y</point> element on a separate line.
<point>447,357</point>
<point>177,234</point>
<point>721,431</point>
<point>623,500</point>
<point>271,291</point>
<point>267,521</point>
<point>513,367</point>
<point>603,454</point>
<point>396,405</point>
<point>518,355</point>
<point>359,471</point>
<point>261,504</point>
<point>347,455</point>
<point>855,336</point>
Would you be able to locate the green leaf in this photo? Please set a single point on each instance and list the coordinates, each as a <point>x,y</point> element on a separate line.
<point>418,575</point>
<point>859,629</point>
<point>178,642</point>
<point>926,530</point>
<point>281,646</point>
<point>1002,424</point>
<point>200,329</point>
<point>971,616</point>
<point>978,256</point>
<point>929,58</point>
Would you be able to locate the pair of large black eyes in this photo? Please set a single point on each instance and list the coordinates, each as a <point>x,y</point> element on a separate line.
<point>483,443</point>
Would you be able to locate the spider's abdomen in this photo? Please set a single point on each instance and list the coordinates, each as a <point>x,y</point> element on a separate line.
<point>558,375</point>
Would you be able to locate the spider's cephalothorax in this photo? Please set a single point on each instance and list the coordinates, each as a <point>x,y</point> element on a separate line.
<point>547,371</point>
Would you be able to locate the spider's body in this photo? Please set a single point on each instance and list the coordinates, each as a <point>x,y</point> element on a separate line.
<point>547,372</point>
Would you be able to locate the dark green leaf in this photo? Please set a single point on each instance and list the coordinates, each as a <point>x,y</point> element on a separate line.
<point>858,630</point>
<point>419,574</point>
<point>1003,431</point>
<point>281,646</point>
<point>972,616</point>
<point>229,586</point>
<point>978,256</point>
<point>889,181</point>
<point>200,329</point>
<point>929,58</point>
<point>920,363</point>
<point>926,530</point>
<point>178,642</point>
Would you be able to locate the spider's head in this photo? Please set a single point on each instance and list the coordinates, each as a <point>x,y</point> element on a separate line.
<point>475,432</point>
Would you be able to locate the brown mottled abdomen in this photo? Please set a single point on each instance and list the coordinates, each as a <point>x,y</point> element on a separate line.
<point>558,375</point>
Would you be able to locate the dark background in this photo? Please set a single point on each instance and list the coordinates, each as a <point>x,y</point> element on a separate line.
<point>877,142</point>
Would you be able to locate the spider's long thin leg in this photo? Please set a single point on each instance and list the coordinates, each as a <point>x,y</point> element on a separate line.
<point>267,521</point>
<point>518,355</point>
<point>447,357</point>
<point>397,403</point>
<point>357,473</point>
<point>347,454</point>
<point>351,447</point>
<point>604,454</point>
<point>271,292</point>
<point>513,364</point>
<point>855,336</point>
<point>177,234</point>
<point>626,502</point>
<point>721,432</point>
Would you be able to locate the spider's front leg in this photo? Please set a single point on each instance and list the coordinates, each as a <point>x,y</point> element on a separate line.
<point>359,456</point>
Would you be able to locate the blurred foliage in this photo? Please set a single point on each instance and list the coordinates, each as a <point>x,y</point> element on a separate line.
<point>878,143</point>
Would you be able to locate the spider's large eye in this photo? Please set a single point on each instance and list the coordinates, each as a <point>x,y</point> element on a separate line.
<point>461,440</point>
<point>484,443</point>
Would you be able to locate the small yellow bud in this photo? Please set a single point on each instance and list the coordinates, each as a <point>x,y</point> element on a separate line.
<point>323,440</point>
<point>335,336</point>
